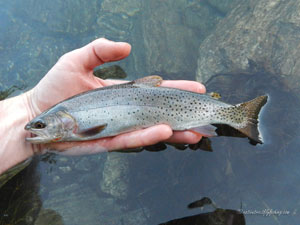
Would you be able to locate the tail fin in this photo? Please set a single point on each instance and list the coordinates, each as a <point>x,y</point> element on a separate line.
<point>252,109</point>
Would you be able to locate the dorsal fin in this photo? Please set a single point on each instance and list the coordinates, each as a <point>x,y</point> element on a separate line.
<point>151,81</point>
<point>214,95</point>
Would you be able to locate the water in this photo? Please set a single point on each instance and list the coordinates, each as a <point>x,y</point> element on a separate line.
<point>149,187</point>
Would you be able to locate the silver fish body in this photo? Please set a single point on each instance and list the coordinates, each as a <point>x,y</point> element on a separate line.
<point>117,109</point>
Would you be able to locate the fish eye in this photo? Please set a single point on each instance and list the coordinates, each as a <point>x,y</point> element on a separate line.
<point>39,125</point>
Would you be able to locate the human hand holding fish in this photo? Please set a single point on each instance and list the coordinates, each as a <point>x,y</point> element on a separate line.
<point>71,75</point>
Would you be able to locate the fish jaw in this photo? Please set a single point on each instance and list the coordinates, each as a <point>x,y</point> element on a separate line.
<point>37,140</point>
<point>40,136</point>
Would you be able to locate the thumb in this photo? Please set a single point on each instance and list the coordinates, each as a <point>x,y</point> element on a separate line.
<point>96,53</point>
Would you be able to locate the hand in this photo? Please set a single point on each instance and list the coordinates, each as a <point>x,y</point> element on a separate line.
<point>74,70</point>
<point>73,74</point>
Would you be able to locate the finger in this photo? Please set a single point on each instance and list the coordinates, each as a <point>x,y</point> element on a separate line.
<point>185,137</point>
<point>109,82</point>
<point>135,139</point>
<point>139,138</point>
<point>96,53</point>
<point>185,85</point>
<point>181,84</point>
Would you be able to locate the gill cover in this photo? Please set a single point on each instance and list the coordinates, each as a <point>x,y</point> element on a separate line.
<point>51,126</point>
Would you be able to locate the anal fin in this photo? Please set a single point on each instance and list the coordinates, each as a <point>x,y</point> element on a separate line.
<point>206,130</point>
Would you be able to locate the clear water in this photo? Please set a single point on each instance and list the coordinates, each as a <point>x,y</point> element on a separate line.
<point>146,187</point>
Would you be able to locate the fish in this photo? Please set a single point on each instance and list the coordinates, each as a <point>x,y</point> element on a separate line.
<point>117,109</point>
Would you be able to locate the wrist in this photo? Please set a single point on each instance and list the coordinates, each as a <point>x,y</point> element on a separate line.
<point>14,114</point>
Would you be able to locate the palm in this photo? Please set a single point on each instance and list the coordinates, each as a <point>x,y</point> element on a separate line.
<point>70,76</point>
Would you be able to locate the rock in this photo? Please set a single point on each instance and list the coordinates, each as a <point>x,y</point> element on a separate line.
<point>20,202</point>
<point>10,173</point>
<point>22,63</point>
<point>71,200</point>
<point>73,17</point>
<point>172,31</point>
<point>115,176</point>
<point>89,208</point>
<point>33,40</point>
<point>113,26</point>
<point>56,179</point>
<point>245,177</point>
<point>133,217</point>
<point>6,92</point>
<point>265,32</point>
<point>50,217</point>
<point>225,6</point>
<point>128,7</point>
<point>110,72</point>
<point>118,20</point>
<point>115,19</point>
<point>65,169</point>
<point>172,53</point>
<point>279,133</point>
<point>84,164</point>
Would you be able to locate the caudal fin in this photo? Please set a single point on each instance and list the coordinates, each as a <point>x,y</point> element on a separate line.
<point>252,109</point>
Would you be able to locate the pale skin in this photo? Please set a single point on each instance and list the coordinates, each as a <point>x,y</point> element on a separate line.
<point>73,74</point>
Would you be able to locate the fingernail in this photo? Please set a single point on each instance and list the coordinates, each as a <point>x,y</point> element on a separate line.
<point>202,88</point>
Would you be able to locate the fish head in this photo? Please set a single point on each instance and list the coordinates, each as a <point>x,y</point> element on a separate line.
<point>51,127</point>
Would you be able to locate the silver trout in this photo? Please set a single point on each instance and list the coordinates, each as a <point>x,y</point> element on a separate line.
<point>138,104</point>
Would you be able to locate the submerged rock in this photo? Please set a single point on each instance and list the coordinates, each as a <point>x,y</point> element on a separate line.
<point>111,72</point>
<point>128,7</point>
<point>254,175</point>
<point>49,217</point>
<point>20,202</point>
<point>261,31</point>
<point>279,133</point>
<point>172,32</point>
<point>224,6</point>
<point>115,176</point>
<point>10,173</point>
<point>78,205</point>
<point>73,17</point>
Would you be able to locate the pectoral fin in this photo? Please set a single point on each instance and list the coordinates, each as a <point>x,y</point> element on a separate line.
<point>206,130</point>
<point>91,131</point>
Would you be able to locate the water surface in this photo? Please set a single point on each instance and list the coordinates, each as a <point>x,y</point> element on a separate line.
<point>148,187</point>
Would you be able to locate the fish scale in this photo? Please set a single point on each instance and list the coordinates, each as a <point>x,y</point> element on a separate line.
<point>170,105</point>
<point>117,109</point>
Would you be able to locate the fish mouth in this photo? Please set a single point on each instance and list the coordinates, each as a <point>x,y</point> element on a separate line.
<point>36,140</point>
<point>37,135</point>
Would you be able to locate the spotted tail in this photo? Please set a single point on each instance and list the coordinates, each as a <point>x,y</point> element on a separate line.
<point>250,125</point>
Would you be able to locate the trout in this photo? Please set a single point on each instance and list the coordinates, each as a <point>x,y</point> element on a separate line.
<point>117,109</point>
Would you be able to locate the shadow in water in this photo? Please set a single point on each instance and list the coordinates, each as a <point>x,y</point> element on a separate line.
<point>217,217</point>
<point>20,203</point>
